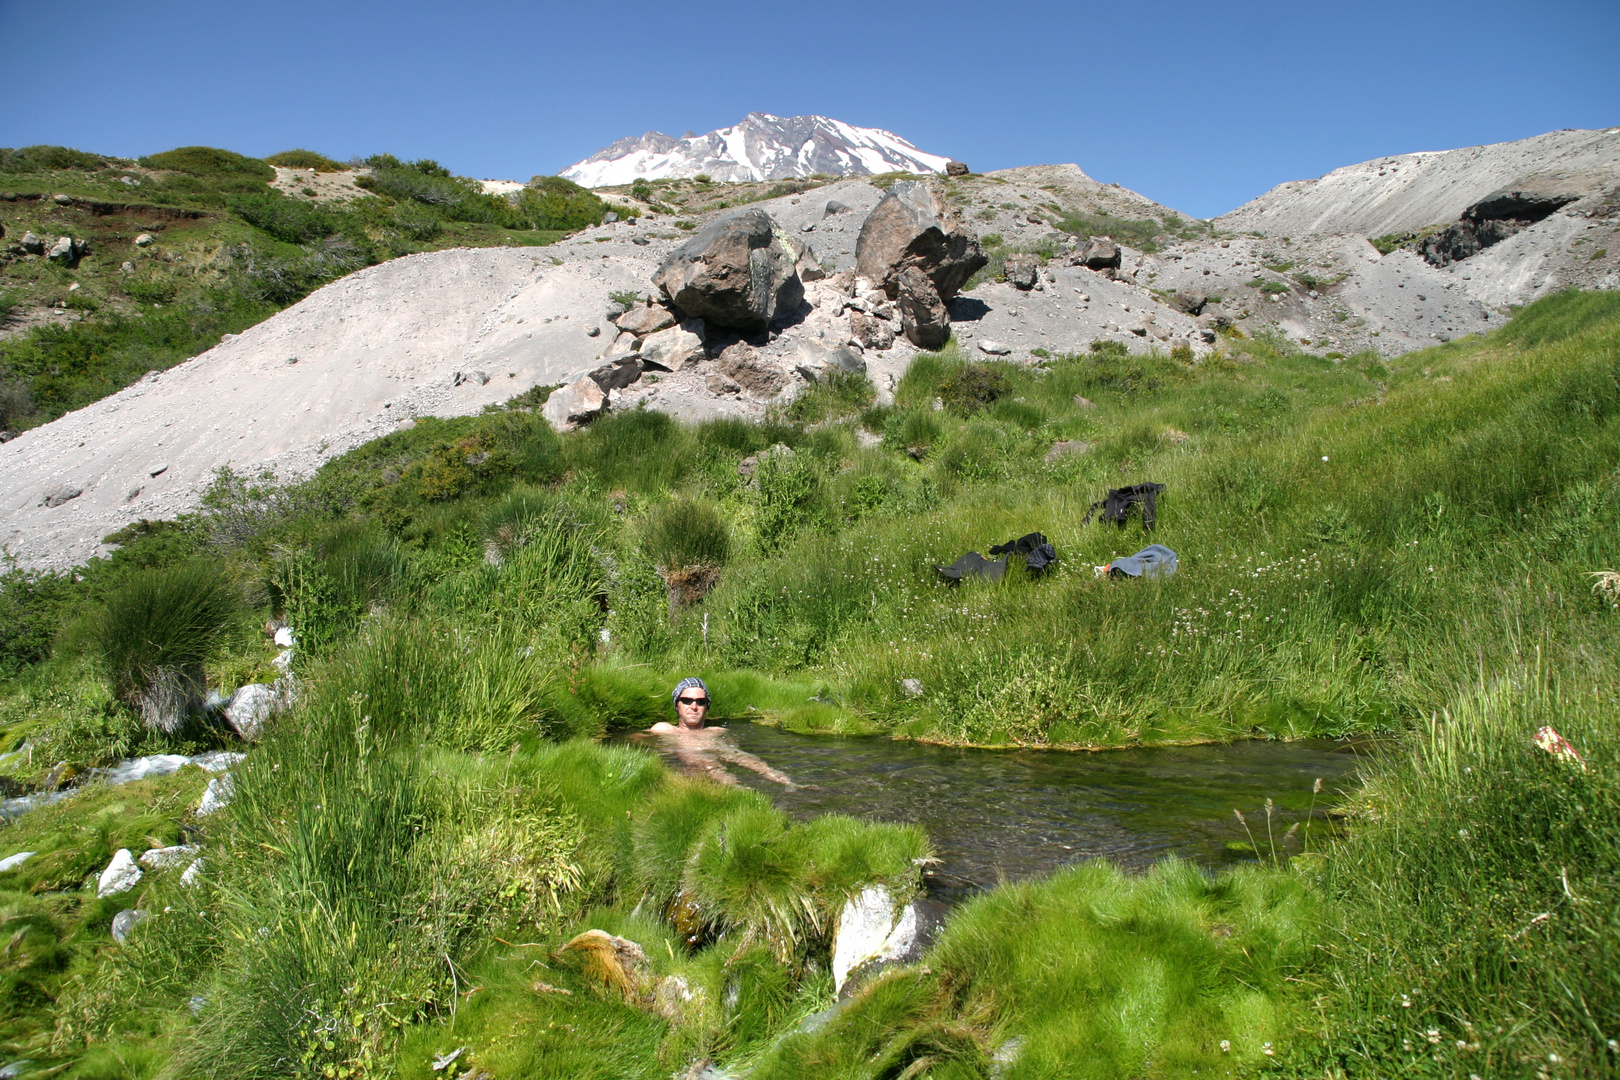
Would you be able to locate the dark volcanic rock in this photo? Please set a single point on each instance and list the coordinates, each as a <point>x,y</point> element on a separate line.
<point>737,272</point>
<point>911,228</point>
<point>1021,271</point>
<point>923,315</point>
<point>1100,253</point>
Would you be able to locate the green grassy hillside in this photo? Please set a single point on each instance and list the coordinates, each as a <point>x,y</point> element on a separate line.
<point>1412,548</point>
<point>228,250</point>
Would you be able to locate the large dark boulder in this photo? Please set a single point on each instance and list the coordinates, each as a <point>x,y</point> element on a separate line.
<point>1100,253</point>
<point>1022,271</point>
<point>924,317</point>
<point>737,272</point>
<point>912,228</point>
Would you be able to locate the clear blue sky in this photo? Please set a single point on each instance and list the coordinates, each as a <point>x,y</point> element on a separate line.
<point>1198,105</point>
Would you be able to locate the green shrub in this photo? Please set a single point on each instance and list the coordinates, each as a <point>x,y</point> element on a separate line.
<point>208,161</point>
<point>684,533</point>
<point>553,202</point>
<point>837,395</point>
<point>45,158</point>
<point>150,287</point>
<point>1138,233</point>
<point>416,221</point>
<point>305,159</point>
<point>32,603</point>
<point>157,630</point>
<point>972,386</point>
<point>293,221</point>
<point>15,403</point>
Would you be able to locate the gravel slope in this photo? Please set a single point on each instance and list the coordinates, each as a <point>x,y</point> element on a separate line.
<point>1408,191</point>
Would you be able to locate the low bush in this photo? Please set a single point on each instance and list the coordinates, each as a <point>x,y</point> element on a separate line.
<point>305,159</point>
<point>45,158</point>
<point>972,386</point>
<point>209,161</point>
<point>155,633</point>
<point>684,533</point>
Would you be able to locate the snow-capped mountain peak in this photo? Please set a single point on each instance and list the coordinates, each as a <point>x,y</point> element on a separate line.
<point>762,147</point>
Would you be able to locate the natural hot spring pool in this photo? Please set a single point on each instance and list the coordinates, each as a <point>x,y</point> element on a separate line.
<point>995,814</point>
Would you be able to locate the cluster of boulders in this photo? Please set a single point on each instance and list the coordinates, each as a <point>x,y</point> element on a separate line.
<point>919,252</point>
<point>64,249</point>
<point>724,293</point>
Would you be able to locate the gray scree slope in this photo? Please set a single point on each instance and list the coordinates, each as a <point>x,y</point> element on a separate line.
<point>1406,192</point>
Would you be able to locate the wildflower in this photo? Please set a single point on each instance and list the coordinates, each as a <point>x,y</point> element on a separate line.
<point>1267,1050</point>
<point>1433,1036</point>
<point>1406,1044</point>
<point>1406,1002</point>
<point>1555,744</point>
<point>1226,1046</point>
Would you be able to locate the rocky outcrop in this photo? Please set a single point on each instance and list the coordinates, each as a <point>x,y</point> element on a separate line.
<point>579,402</point>
<point>738,272</point>
<point>1021,271</point>
<point>1494,218</point>
<point>1100,253</point>
<point>644,319</point>
<point>925,318</point>
<point>121,875</point>
<point>956,168</point>
<point>1189,301</point>
<point>912,229</point>
<point>617,375</point>
<point>816,363</point>
<point>674,348</point>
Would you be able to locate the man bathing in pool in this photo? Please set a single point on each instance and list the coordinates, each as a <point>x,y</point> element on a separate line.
<point>702,750</point>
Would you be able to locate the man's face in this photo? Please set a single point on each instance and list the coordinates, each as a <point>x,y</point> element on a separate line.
<point>692,706</point>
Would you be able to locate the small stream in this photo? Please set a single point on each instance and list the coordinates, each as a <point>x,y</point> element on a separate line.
<point>1007,814</point>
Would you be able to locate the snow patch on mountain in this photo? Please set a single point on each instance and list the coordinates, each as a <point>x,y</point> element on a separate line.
<point>761,147</point>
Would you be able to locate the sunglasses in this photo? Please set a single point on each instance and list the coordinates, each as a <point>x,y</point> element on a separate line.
<point>694,701</point>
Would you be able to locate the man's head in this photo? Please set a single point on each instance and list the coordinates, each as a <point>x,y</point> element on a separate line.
<point>691,699</point>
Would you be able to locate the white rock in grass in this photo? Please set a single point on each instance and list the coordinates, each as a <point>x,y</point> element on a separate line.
<point>994,348</point>
<point>11,862</point>
<point>217,795</point>
<point>863,927</point>
<point>284,637</point>
<point>250,707</point>
<point>121,875</point>
<point>193,872</point>
<point>125,921</point>
<point>165,857</point>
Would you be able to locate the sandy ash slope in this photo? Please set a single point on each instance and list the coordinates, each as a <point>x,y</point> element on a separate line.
<point>1408,191</point>
<point>450,332</point>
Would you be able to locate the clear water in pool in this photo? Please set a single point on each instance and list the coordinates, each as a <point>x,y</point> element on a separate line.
<point>997,815</point>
